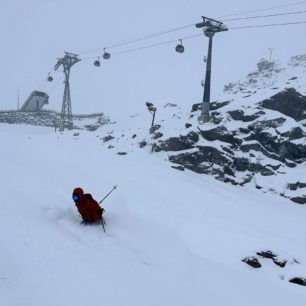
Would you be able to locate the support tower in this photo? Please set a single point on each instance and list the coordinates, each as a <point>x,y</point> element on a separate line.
<point>210,27</point>
<point>66,114</point>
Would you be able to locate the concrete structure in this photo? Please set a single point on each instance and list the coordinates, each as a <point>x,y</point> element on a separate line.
<point>35,102</point>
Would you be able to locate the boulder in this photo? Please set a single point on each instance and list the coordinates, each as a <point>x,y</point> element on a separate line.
<point>252,261</point>
<point>299,200</point>
<point>202,160</point>
<point>298,280</point>
<point>295,133</point>
<point>108,138</point>
<point>288,102</point>
<point>222,134</point>
<point>178,143</point>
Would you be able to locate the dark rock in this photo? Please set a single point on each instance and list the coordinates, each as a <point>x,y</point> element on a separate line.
<point>244,130</point>
<point>266,172</point>
<point>216,117</point>
<point>293,186</point>
<point>154,128</point>
<point>298,281</point>
<point>201,161</point>
<point>236,114</point>
<point>280,263</point>
<point>158,135</point>
<point>239,115</point>
<point>134,136</point>
<point>266,124</point>
<point>213,106</point>
<point>252,261</point>
<point>299,200</point>
<point>302,185</point>
<point>241,163</point>
<point>228,170</point>
<point>76,134</point>
<point>227,180</point>
<point>295,133</point>
<point>181,168</point>
<point>196,107</point>
<point>266,254</point>
<point>222,134</point>
<point>121,153</point>
<point>110,147</point>
<point>108,138</point>
<point>276,149</point>
<point>188,125</point>
<point>288,102</point>
<point>178,143</point>
<point>142,144</point>
<point>252,146</point>
<point>227,150</point>
<point>290,165</point>
<point>193,136</point>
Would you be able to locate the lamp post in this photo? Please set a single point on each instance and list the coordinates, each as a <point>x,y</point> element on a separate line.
<point>152,109</point>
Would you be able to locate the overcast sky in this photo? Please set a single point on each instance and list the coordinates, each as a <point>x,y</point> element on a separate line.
<point>34,33</point>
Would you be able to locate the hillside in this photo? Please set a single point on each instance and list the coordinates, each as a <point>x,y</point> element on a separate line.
<point>172,237</point>
<point>256,136</point>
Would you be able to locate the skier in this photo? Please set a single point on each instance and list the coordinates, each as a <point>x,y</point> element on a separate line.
<point>89,209</point>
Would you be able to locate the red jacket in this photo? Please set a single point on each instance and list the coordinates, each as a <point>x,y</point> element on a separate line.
<point>88,208</point>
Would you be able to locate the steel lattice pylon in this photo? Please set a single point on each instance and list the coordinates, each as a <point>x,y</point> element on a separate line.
<point>66,114</point>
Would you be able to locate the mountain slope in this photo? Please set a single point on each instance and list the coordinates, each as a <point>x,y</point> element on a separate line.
<point>173,238</point>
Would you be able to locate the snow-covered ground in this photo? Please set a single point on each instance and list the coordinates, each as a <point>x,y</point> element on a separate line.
<point>173,238</point>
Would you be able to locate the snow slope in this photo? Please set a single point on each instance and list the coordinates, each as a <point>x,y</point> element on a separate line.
<point>173,238</point>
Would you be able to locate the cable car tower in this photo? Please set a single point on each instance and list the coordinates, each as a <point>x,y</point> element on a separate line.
<point>66,114</point>
<point>210,28</point>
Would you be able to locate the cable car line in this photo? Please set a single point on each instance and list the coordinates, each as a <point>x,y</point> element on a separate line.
<point>180,49</point>
<point>140,39</point>
<point>261,10</point>
<point>185,27</point>
<point>197,35</point>
<point>263,16</point>
<point>151,46</point>
<point>267,25</point>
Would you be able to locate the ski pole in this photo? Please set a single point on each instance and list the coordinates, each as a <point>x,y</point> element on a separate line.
<point>102,219</point>
<point>102,222</point>
<point>115,187</point>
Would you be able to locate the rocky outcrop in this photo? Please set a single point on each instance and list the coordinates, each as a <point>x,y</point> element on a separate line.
<point>237,155</point>
<point>239,115</point>
<point>222,134</point>
<point>288,102</point>
<point>178,143</point>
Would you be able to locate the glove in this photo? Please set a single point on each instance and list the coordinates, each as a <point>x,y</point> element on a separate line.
<point>100,211</point>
